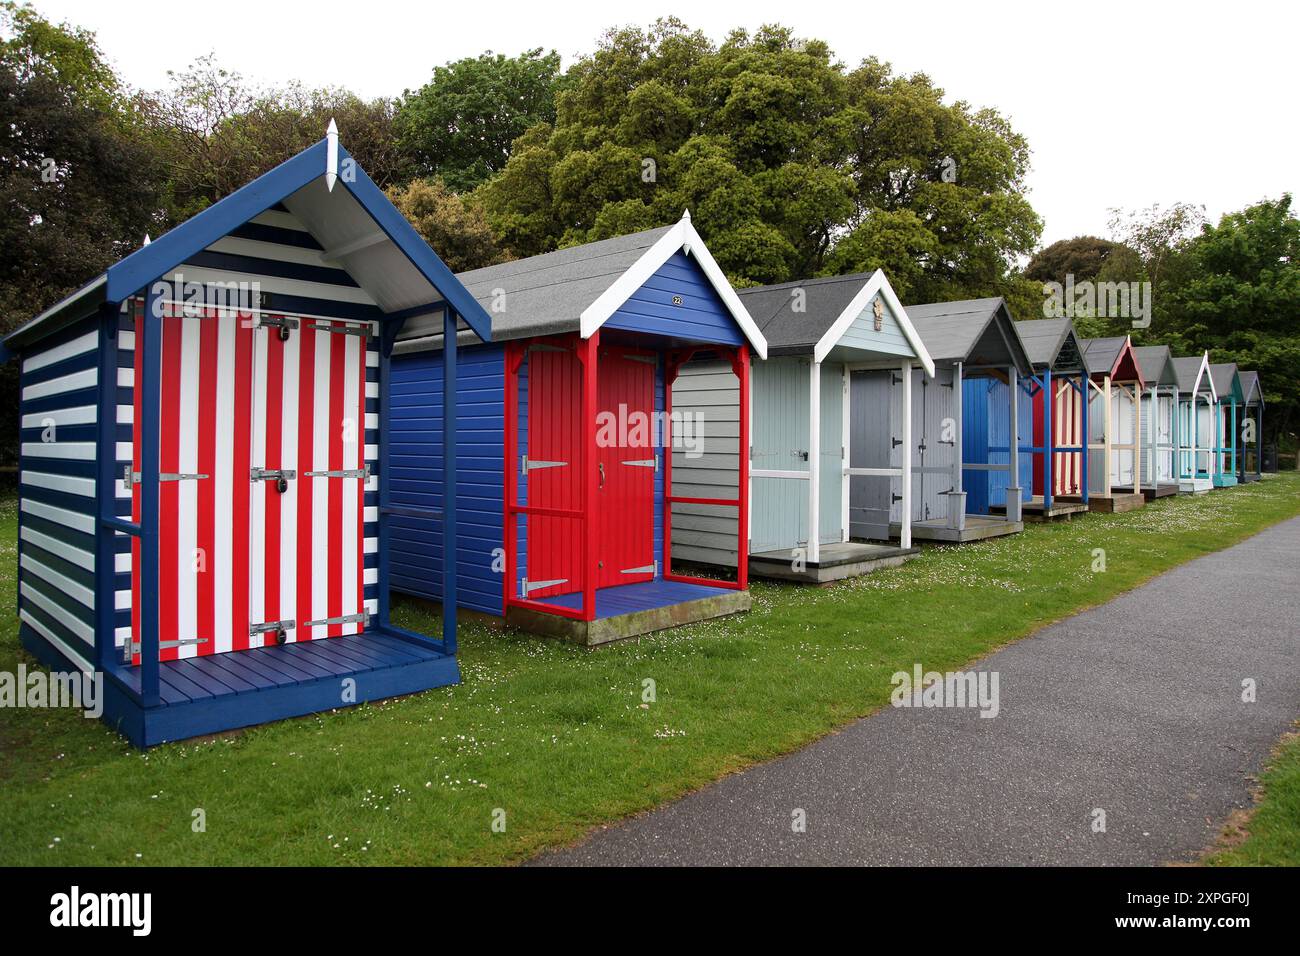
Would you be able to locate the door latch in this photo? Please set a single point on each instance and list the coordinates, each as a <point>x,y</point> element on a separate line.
<point>279,630</point>
<point>282,322</point>
<point>281,477</point>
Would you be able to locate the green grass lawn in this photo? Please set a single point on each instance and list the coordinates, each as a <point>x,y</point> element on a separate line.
<point>557,736</point>
<point>1271,835</point>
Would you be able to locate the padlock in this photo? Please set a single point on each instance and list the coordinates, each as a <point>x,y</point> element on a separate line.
<point>282,485</point>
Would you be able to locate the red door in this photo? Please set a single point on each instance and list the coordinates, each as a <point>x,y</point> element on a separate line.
<point>626,466</point>
<point>551,472</point>
<point>245,559</point>
<point>624,460</point>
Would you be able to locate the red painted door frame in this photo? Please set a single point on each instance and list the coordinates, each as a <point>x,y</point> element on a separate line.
<point>626,464</point>
<point>586,352</point>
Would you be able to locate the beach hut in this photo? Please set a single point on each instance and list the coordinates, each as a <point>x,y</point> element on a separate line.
<point>570,440</point>
<point>1114,425</point>
<point>203,470</point>
<point>1227,387</point>
<point>1252,428</point>
<point>966,423</point>
<point>1195,423</point>
<point>812,463</point>
<point>1058,389</point>
<point>1159,424</point>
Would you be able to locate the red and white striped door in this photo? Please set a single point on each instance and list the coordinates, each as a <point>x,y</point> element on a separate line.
<point>236,552</point>
<point>308,417</point>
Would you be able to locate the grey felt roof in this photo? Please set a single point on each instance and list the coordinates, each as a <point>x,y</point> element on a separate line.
<point>1099,355</point>
<point>1251,388</point>
<point>789,332</point>
<point>546,294</point>
<point>1223,373</point>
<point>952,331</point>
<point>1154,360</point>
<point>1047,342</point>
<point>1185,370</point>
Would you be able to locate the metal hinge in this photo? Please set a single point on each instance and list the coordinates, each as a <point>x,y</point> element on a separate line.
<point>534,465</point>
<point>528,587</point>
<point>362,330</point>
<point>272,474</point>
<point>362,618</point>
<point>893,498</point>
<point>132,478</point>
<point>895,442</point>
<point>132,647</point>
<point>644,462</point>
<point>344,473</point>
<point>648,569</point>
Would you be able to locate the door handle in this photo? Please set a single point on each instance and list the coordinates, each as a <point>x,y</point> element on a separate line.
<point>600,465</point>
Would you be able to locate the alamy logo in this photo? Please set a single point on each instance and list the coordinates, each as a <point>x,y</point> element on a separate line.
<point>953,689</point>
<point>1103,300</point>
<point>74,908</point>
<point>82,690</point>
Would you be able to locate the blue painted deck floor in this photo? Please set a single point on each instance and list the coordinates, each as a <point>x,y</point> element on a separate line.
<point>263,668</point>
<point>206,695</point>
<point>645,596</point>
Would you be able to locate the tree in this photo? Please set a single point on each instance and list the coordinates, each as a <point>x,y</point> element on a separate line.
<point>219,131</point>
<point>461,124</point>
<point>1239,297</point>
<point>79,184</point>
<point>791,165</point>
<point>1082,257</point>
<point>456,228</point>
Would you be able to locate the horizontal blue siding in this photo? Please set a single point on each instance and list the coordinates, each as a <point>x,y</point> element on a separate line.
<point>415,474</point>
<point>701,317</point>
<point>56,538</point>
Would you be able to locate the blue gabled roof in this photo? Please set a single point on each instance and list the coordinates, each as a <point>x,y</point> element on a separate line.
<point>137,270</point>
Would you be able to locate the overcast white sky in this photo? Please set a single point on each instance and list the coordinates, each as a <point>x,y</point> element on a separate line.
<point>1124,104</point>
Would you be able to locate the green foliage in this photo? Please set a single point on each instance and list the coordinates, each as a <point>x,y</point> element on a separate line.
<point>1082,257</point>
<point>1238,295</point>
<point>792,165</point>
<point>79,184</point>
<point>454,226</point>
<point>460,125</point>
<point>218,131</point>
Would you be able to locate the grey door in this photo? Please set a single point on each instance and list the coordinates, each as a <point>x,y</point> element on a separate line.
<point>870,440</point>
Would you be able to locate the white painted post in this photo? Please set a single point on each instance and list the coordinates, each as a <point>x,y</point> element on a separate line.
<point>905,535</point>
<point>1137,439</point>
<point>957,500</point>
<point>814,459</point>
<point>1013,480</point>
<point>845,438</point>
<point>1107,444</point>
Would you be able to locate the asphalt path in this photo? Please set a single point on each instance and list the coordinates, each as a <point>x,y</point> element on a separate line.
<point>1133,708</point>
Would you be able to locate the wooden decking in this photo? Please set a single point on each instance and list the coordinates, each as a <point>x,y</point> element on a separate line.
<point>835,562</point>
<point>219,692</point>
<point>1032,509</point>
<point>631,609</point>
<point>978,528</point>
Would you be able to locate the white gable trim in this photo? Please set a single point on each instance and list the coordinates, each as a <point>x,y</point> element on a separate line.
<point>878,283</point>
<point>680,236</point>
<point>1204,373</point>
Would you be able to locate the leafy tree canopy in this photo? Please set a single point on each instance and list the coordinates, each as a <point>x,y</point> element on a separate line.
<point>460,125</point>
<point>791,164</point>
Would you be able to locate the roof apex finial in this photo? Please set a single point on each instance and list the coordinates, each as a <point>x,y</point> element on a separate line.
<point>686,215</point>
<point>147,240</point>
<point>331,155</point>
